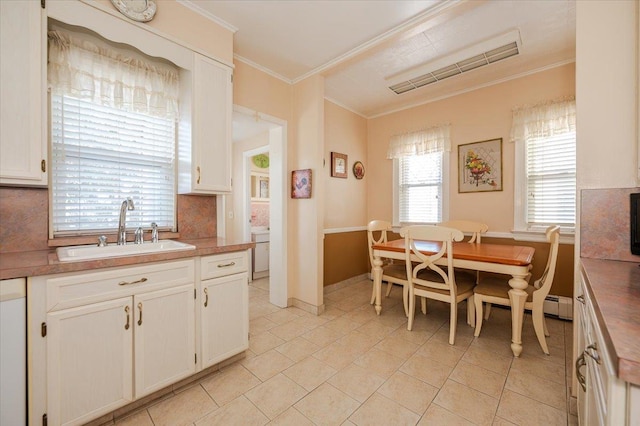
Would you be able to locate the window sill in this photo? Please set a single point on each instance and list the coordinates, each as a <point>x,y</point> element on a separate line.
<point>566,236</point>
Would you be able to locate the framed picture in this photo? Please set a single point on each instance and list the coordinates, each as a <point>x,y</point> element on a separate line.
<point>338,165</point>
<point>301,183</point>
<point>358,170</point>
<point>480,166</point>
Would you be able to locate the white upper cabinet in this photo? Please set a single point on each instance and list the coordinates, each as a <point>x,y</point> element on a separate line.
<point>23,142</point>
<point>205,129</point>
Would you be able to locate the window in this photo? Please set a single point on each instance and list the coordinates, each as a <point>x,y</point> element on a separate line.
<point>113,115</point>
<point>551,181</point>
<point>420,168</point>
<point>102,155</point>
<point>545,181</point>
<point>419,187</point>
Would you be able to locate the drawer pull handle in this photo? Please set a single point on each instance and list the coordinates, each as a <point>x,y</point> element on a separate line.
<point>580,362</point>
<point>227,265</point>
<point>206,298</point>
<point>198,170</point>
<point>592,351</point>
<point>140,309</point>
<point>126,309</point>
<point>141,280</point>
<point>580,298</point>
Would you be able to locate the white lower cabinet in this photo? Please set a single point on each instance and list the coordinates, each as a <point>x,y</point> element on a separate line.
<point>224,307</point>
<point>89,360</point>
<point>102,339</point>
<point>603,398</point>
<point>164,338</point>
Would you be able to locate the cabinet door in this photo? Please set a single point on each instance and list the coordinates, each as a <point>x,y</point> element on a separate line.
<point>212,108</point>
<point>164,338</point>
<point>225,318</point>
<point>22,98</point>
<point>89,361</point>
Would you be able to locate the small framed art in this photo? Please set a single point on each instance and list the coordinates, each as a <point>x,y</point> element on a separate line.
<point>480,166</point>
<point>358,170</point>
<point>338,165</point>
<point>301,183</point>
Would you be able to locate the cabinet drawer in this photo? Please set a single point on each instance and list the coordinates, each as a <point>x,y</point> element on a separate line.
<point>220,265</point>
<point>69,290</point>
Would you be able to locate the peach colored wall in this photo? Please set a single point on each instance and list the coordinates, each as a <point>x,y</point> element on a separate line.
<point>305,216</point>
<point>346,199</point>
<point>474,116</point>
<point>196,31</point>
<point>261,92</point>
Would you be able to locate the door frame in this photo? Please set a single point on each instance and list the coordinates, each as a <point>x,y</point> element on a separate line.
<point>278,188</point>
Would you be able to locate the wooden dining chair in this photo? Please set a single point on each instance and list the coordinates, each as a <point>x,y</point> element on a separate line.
<point>428,280</point>
<point>476,229</point>
<point>496,290</point>
<point>392,273</point>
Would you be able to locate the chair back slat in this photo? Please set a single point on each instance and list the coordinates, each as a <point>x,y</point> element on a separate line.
<point>543,284</point>
<point>374,227</point>
<point>431,233</point>
<point>476,229</point>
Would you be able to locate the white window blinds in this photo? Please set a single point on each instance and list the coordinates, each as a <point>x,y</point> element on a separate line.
<point>420,188</point>
<point>113,135</point>
<point>551,181</point>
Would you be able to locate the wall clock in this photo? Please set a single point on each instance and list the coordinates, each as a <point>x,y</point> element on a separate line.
<point>261,161</point>
<point>138,10</point>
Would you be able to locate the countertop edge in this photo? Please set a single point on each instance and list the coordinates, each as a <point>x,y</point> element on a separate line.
<point>45,262</point>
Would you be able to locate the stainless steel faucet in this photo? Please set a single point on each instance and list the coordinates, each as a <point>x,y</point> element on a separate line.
<point>122,227</point>
<point>154,232</point>
<point>139,236</point>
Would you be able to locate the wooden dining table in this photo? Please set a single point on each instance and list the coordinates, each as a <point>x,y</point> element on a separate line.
<point>497,258</point>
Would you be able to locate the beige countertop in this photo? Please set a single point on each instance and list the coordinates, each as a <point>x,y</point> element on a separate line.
<point>614,289</point>
<point>45,262</point>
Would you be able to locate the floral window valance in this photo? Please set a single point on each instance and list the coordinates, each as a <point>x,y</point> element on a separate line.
<point>87,68</point>
<point>420,142</point>
<point>544,120</point>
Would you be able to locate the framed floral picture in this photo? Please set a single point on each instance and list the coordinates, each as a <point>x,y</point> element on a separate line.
<point>480,166</point>
<point>301,183</point>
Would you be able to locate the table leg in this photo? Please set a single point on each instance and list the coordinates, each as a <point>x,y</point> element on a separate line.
<point>377,282</point>
<point>518,297</point>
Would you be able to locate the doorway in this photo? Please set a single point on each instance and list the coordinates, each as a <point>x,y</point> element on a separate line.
<point>257,133</point>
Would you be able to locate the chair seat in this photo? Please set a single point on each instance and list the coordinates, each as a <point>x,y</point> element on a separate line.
<point>497,287</point>
<point>465,282</point>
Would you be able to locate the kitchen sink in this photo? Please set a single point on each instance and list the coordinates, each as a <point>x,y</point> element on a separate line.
<point>92,252</point>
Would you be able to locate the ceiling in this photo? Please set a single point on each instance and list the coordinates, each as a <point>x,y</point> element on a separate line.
<point>363,47</point>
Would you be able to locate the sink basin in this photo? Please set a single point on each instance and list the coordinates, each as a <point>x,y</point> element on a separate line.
<point>91,252</point>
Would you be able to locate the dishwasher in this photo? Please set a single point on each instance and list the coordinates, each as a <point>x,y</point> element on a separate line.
<point>13,352</point>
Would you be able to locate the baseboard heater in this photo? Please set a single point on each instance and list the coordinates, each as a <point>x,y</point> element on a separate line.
<point>558,306</point>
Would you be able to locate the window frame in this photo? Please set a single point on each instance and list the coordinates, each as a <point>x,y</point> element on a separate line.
<point>444,205</point>
<point>521,231</point>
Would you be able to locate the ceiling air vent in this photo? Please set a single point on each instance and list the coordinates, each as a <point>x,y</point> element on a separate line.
<point>458,66</point>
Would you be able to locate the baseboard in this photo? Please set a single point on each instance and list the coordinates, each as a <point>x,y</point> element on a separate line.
<point>345,283</point>
<point>558,306</point>
<point>307,307</point>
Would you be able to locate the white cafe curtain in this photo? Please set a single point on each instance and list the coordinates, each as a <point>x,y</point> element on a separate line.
<point>544,120</point>
<point>88,68</point>
<point>433,139</point>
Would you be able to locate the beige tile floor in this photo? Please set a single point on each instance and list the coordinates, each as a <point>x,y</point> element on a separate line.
<point>351,367</point>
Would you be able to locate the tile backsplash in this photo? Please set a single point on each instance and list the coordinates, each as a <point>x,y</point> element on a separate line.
<point>604,224</point>
<point>24,218</point>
